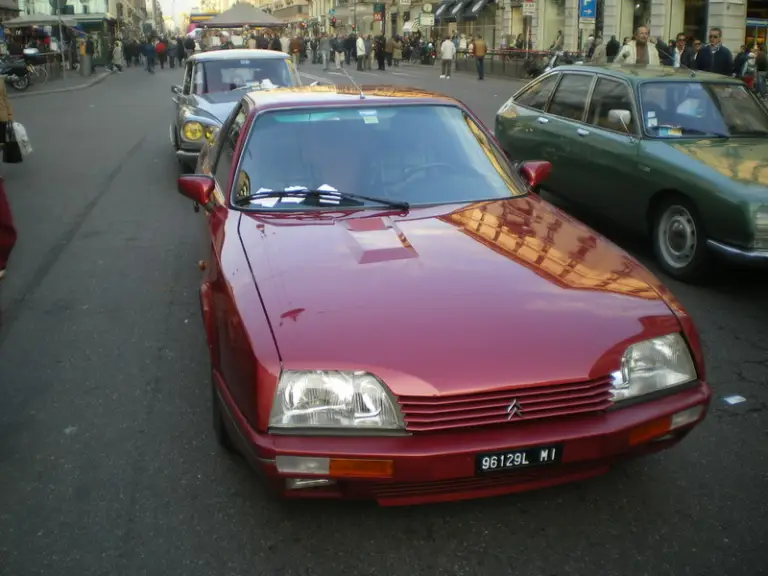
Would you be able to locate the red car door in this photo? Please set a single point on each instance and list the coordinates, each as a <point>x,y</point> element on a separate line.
<point>228,272</point>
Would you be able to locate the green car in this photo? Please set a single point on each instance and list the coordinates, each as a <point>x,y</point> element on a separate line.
<point>679,155</point>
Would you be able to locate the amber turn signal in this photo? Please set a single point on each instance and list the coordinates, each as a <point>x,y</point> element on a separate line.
<point>649,430</point>
<point>345,468</point>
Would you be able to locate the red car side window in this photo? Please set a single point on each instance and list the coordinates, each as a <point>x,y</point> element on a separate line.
<point>227,144</point>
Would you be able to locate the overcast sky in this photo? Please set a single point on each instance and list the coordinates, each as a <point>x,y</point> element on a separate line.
<point>175,7</point>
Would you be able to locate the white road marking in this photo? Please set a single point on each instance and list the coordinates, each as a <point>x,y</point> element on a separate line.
<point>734,399</point>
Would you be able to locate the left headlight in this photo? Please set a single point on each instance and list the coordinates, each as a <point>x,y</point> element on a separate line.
<point>653,365</point>
<point>335,400</point>
<point>194,131</point>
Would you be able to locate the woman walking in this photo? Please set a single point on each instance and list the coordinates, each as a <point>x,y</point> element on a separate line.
<point>7,230</point>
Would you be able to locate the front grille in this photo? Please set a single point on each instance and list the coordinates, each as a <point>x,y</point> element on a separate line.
<point>431,414</point>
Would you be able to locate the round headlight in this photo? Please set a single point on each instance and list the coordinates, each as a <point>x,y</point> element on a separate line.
<point>209,132</point>
<point>193,130</point>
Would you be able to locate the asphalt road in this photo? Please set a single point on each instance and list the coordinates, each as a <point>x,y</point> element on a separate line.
<point>108,465</point>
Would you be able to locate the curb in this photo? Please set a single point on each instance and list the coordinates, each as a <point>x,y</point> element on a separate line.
<point>97,80</point>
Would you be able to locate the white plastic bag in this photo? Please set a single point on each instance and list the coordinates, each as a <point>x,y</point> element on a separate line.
<point>22,139</point>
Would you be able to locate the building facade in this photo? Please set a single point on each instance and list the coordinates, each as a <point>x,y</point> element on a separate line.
<point>500,22</point>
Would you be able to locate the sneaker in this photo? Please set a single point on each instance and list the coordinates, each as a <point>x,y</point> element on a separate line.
<point>448,77</point>
<point>442,75</point>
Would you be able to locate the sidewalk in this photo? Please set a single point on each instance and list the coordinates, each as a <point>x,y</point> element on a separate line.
<point>73,81</point>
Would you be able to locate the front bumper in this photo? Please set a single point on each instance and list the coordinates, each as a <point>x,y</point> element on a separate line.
<point>441,467</point>
<point>744,256</point>
<point>189,156</point>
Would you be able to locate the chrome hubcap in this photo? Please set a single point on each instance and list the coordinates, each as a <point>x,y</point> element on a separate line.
<point>677,236</point>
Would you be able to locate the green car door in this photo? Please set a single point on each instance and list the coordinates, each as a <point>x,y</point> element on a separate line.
<point>520,122</point>
<point>608,178</point>
<point>563,125</point>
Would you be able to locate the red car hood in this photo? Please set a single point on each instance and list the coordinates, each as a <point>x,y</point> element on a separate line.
<point>492,295</point>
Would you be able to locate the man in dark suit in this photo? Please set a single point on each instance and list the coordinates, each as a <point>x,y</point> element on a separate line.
<point>682,54</point>
<point>715,57</point>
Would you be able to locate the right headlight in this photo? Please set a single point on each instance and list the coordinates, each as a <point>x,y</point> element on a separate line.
<point>653,365</point>
<point>355,401</point>
<point>761,228</point>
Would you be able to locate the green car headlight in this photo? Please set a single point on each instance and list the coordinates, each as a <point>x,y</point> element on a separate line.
<point>193,131</point>
<point>761,228</point>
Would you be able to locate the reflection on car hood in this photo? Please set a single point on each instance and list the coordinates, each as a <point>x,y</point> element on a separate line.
<point>744,160</point>
<point>493,295</point>
<point>217,105</point>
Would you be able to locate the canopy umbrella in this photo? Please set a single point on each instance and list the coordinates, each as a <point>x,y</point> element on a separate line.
<point>39,20</point>
<point>240,15</point>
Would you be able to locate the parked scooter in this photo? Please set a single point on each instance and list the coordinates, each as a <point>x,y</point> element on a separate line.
<point>16,72</point>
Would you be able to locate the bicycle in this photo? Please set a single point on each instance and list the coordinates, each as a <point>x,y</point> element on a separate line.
<point>37,73</point>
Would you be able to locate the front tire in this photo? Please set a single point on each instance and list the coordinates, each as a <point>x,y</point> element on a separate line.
<point>680,240</point>
<point>21,83</point>
<point>219,427</point>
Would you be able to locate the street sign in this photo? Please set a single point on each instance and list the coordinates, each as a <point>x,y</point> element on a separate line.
<point>586,8</point>
<point>426,8</point>
<point>426,19</point>
<point>404,2</point>
<point>529,8</point>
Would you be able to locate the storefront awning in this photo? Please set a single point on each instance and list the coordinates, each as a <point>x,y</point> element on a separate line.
<point>442,10</point>
<point>39,20</point>
<point>474,8</point>
<point>455,11</point>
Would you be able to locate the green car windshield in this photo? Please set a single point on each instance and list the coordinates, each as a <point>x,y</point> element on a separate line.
<point>700,109</point>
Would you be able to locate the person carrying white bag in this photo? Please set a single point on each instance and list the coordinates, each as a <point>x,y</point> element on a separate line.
<point>22,139</point>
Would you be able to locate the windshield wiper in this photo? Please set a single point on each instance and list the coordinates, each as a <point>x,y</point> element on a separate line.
<point>750,133</point>
<point>320,194</point>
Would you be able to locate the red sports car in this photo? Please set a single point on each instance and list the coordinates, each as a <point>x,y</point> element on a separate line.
<point>392,313</point>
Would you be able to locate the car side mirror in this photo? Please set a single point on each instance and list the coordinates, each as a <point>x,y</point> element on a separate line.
<point>176,89</point>
<point>535,172</point>
<point>196,187</point>
<point>621,117</point>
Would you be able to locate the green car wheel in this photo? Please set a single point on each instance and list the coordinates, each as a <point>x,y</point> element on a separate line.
<point>680,241</point>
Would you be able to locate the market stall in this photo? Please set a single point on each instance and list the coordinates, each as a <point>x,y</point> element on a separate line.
<point>243,15</point>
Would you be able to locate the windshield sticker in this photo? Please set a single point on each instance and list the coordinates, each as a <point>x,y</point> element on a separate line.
<point>369,116</point>
<point>669,131</point>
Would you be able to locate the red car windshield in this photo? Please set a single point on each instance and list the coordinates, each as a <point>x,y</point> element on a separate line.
<point>225,75</point>
<point>415,154</point>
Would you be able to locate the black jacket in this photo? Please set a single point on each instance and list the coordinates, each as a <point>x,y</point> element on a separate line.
<point>719,62</point>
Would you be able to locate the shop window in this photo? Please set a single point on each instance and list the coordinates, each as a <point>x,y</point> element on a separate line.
<point>642,14</point>
<point>757,23</point>
<point>695,19</point>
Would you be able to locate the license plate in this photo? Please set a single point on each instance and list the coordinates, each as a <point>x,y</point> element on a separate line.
<point>516,459</point>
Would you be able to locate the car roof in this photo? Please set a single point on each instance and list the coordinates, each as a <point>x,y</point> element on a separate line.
<point>638,73</point>
<point>238,54</point>
<point>345,95</point>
